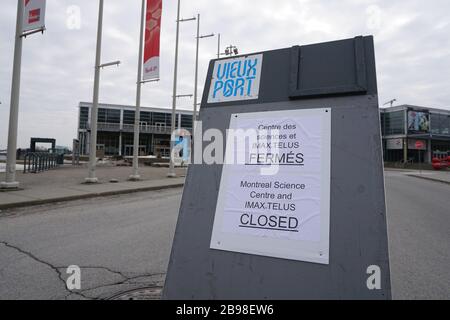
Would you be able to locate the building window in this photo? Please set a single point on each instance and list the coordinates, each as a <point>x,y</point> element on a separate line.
<point>186,121</point>
<point>110,142</point>
<point>394,123</point>
<point>128,117</point>
<point>101,117</point>
<point>440,124</point>
<point>159,118</point>
<point>146,117</point>
<point>84,117</point>
<point>113,116</point>
<point>108,116</point>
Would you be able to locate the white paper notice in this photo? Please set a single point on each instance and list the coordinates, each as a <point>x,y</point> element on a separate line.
<point>274,197</point>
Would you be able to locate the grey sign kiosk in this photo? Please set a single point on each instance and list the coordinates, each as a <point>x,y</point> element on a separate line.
<point>316,229</point>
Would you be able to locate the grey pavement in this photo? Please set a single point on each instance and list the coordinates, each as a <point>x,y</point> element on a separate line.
<point>438,176</point>
<point>123,242</point>
<point>432,175</point>
<point>419,237</point>
<point>120,243</point>
<point>66,183</point>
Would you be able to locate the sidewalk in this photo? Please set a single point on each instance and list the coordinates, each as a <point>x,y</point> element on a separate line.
<point>66,184</point>
<point>436,176</point>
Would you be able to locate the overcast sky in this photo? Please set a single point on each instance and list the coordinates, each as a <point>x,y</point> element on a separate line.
<point>412,45</point>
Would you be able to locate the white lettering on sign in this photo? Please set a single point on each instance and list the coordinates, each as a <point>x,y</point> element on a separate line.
<point>236,79</point>
<point>285,214</point>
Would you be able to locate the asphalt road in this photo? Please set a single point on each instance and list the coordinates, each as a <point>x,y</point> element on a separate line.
<point>124,242</point>
<point>419,237</point>
<point>120,243</point>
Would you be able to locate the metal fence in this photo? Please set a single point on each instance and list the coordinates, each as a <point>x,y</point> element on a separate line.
<point>144,128</point>
<point>35,162</point>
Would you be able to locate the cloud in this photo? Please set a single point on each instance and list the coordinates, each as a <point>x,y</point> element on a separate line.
<point>411,37</point>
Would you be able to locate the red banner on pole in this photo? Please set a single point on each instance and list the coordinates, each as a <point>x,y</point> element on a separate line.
<point>152,39</point>
<point>33,15</point>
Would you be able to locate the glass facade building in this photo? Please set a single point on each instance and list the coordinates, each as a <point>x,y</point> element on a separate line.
<point>413,134</point>
<point>403,129</point>
<point>115,129</point>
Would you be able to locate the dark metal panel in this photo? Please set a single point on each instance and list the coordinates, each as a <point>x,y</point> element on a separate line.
<point>328,69</point>
<point>344,67</point>
<point>358,234</point>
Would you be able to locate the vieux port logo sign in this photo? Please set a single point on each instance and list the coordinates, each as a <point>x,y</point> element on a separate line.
<point>236,79</point>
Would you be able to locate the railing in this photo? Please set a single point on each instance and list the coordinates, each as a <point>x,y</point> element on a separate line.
<point>115,127</point>
<point>108,126</point>
<point>147,129</point>
<point>35,162</point>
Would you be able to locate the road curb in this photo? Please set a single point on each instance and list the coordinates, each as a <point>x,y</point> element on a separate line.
<point>87,196</point>
<point>429,179</point>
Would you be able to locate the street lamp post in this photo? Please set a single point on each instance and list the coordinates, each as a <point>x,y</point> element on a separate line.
<point>172,173</point>
<point>196,69</point>
<point>10,181</point>
<point>229,51</point>
<point>94,110</point>
<point>218,46</point>
<point>391,102</point>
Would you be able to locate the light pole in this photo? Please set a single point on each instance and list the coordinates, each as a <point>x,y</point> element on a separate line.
<point>229,51</point>
<point>181,96</point>
<point>391,103</point>
<point>172,173</point>
<point>137,117</point>
<point>94,110</point>
<point>218,46</point>
<point>196,72</point>
<point>10,179</point>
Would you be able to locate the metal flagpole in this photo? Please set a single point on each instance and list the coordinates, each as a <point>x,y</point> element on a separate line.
<point>194,118</point>
<point>172,173</point>
<point>137,118</point>
<point>94,111</point>
<point>10,181</point>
